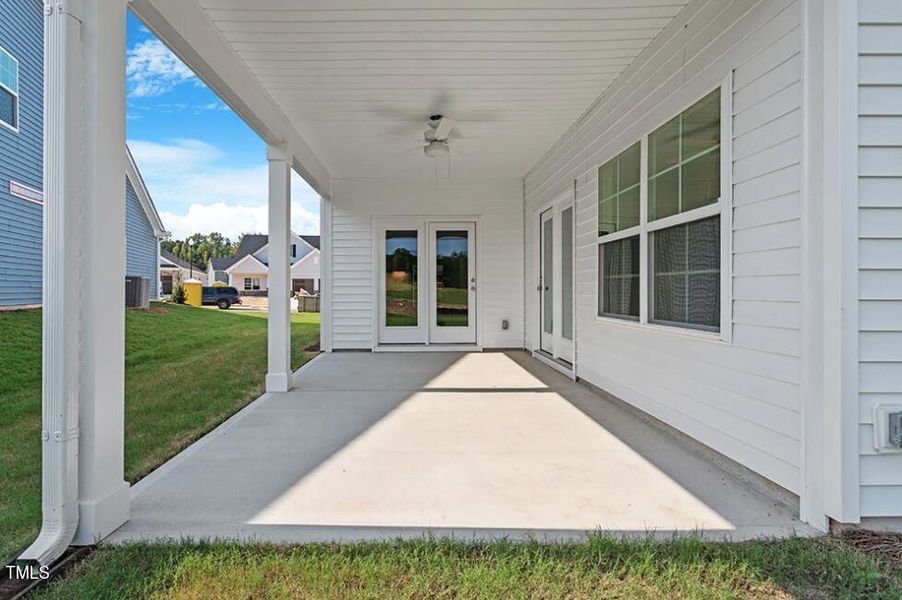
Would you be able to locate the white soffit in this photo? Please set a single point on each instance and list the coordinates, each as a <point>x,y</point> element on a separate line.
<point>359,78</point>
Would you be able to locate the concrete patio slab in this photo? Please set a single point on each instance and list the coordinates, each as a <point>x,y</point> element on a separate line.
<point>376,446</point>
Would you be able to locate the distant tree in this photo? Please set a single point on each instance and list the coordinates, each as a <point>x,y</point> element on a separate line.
<point>199,248</point>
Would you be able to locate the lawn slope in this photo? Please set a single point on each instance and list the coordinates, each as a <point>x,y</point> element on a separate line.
<point>186,370</point>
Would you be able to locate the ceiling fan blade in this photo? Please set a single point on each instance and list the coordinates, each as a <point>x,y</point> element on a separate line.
<point>444,128</point>
<point>409,150</point>
<point>460,137</point>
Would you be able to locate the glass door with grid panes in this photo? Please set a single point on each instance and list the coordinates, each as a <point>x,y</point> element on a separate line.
<point>556,280</point>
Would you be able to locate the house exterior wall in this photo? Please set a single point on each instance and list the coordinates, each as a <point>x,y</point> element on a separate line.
<point>741,396</point>
<point>880,245</point>
<point>21,161</point>
<point>498,207</point>
<point>236,280</point>
<point>21,157</point>
<point>302,249</point>
<point>140,241</point>
<point>307,268</point>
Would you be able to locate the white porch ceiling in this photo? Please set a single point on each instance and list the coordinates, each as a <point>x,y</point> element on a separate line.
<point>359,78</point>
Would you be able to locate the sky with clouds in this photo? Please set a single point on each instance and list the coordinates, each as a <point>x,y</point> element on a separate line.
<point>204,167</point>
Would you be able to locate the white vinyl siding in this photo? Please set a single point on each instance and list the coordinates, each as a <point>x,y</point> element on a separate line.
<point>739,397</point>
<point>498,206</point>
<point>880,244</point>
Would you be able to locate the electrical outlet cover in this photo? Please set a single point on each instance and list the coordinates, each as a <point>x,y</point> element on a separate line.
<point>881,427</point>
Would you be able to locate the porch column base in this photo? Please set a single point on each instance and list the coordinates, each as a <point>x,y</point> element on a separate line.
<point>99,518</point>
<point>277,382</point>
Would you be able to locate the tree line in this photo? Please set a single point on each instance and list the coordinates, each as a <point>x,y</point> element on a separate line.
<point>199,248</point>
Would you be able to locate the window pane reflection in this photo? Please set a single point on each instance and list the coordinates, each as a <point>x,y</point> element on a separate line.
<point>401,278</point>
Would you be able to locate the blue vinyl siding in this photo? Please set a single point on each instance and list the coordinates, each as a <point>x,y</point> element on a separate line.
<point>21,160</point>
<point>140,242</point>
<point>21,156</point>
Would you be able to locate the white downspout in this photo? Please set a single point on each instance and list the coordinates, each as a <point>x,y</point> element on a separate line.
<point>61,280</point>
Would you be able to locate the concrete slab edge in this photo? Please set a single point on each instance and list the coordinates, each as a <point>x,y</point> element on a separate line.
<point>146,482</point>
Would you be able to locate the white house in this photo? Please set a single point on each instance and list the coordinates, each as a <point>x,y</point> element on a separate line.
<point>248,270</point>
<point>692,205</point>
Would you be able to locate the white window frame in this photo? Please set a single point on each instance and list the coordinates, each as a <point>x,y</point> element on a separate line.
<point>17,95</point>
<point>722,208</point>
<point>622,234</point>
<point>254,283</point>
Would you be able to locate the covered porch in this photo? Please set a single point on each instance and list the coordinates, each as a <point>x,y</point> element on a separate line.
<point>489,126</point>
<point>471,445</point>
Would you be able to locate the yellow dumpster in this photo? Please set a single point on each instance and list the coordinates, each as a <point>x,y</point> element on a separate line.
<point>220,284</point>
<point>194,291</point>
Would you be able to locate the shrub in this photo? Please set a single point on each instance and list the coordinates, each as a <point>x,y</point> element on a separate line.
<point>178,294</point>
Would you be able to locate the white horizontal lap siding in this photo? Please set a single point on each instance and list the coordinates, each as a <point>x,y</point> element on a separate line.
<point>741,398</point>
<point>880,244</point>
<point>498,205</point>
<point>352,277</point>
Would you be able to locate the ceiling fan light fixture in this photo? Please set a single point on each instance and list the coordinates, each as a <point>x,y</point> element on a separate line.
<point>436,149</point>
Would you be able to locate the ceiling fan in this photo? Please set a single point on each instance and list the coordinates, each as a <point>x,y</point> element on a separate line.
<point>436,137</point>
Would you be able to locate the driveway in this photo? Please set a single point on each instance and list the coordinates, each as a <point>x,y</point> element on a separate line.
<point>385,445</point>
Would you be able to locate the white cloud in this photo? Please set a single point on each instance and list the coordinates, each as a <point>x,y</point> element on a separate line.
<point>178,153</point>
<point>196,193</point>
<point>232,220</point>
<point>153,70</point>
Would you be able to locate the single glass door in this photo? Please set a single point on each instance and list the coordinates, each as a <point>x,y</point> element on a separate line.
<point>402,314</point>
<point>555,284</point>
<point>564,344</point>
<point>546,281</point>
<point>452,283</point>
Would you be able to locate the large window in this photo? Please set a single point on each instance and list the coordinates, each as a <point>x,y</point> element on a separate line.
<point>619,187</point>
<point>9,90</point>
<point>675,243</point>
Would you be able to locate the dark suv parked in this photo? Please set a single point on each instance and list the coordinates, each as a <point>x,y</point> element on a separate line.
<point>223,297</point>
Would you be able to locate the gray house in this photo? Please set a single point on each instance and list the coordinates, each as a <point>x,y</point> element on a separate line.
<point>21,168</point>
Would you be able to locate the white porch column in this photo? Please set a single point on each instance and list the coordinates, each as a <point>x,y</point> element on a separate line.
<point>103,495</point>
<point>84,495</point>
<point>829,386</point>
<point>278,376</point>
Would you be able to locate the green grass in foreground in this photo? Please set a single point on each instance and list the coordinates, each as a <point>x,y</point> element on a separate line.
<point>186,370</point>
<point>599,568</point>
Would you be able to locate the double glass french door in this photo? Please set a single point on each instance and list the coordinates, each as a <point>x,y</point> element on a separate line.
<point>555,282</point>
<point>427,291</point>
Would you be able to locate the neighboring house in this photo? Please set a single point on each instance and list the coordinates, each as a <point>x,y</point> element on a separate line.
<point>21,167</point>
<point>248,270</point>
<point>216,269</point>
<point>174,270</point>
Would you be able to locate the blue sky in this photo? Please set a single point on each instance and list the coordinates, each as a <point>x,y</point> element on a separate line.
<point>204,167</point>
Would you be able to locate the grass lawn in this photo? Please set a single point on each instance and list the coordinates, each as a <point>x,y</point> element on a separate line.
<point>186,370</point>
<point>599,568</point>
